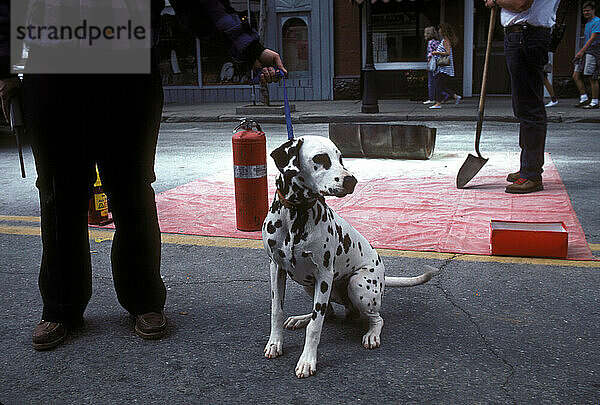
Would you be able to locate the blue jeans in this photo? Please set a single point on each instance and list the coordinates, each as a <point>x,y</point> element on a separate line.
<point>526,54</point>
<point>442,89</point>
<point>431,86</point>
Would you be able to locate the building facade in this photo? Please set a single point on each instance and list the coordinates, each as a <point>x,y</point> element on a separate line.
<point>322,43</point>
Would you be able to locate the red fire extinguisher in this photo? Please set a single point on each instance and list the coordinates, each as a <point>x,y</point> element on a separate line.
<point>98,207</point>
<point>250,175</point>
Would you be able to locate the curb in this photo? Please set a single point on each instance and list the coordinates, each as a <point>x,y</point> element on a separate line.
<point>324,119</point>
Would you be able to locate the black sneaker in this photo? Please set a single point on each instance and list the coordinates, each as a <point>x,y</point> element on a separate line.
<point>590,106</point>
<point>582,103</point>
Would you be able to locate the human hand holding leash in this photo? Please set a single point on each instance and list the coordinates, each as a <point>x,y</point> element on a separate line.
<point>271,65</point>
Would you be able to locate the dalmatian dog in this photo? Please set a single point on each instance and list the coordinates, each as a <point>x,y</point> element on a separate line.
<point>308,241</point>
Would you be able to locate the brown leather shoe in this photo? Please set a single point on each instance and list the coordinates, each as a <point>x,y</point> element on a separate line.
<point>151,325</point>
<point>48,335</point>
<point>512,177</point>
<point>524,186</point>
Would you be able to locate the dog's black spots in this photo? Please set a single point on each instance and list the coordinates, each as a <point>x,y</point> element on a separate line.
<point>339,250</point>
<point>280,253</point>
<point>330,230</point>
<point>336,178</point>
<point>372,270</point>
<point>301,178</point>
<point>272,294</point>
<point>275,206</point>
<point>323,160</point>
<point>326,258</point>
<point>359,247</point>
<point>326,239</point>
<point>278,223</point>
<point>287,239</point>
<point>361,297</point>
<point>348,260</point>
<point>347,243</point>
<point>368,304</point>
<point>323,309</point>
<point>314,315</point>
<point>318,214</point>
<point>315,167</point>
<point>318,306</point>
<point>271,228</point>
<point>368,288</point>
<point>293,261</point>
<point>305,254</point>
<point>324,287</point>
<point>324,246</point>
<point>360,285</point>
<point>271,243</point>
<point>281,304</point>
<point>334,257</point>
<point>336,274</point>
<point>324,219</point>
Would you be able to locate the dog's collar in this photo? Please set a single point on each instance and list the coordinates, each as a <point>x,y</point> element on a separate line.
<point>298,206</point>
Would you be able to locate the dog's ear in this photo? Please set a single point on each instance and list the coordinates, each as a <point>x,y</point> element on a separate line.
<point>286,156</point>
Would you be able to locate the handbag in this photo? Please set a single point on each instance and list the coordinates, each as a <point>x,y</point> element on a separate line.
<point>443,60</point>
<point>431,64</point>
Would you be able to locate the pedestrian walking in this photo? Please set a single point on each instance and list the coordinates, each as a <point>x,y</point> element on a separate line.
<point>79,120</point>
<point>433,40</point>
<point>587,59</point>
<point>445,66</point>
<point>527,26</point>
<point>553,99</point>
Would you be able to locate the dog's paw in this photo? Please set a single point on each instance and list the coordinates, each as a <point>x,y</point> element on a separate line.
<point>273,349</point>
<point>307,366</point>
<point>371,340</point>
<point>297,322</point>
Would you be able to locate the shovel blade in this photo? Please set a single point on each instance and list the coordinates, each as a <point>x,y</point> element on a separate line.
<point>469,169</point>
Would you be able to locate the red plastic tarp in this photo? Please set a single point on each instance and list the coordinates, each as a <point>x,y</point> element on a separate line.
<point>405,205</point>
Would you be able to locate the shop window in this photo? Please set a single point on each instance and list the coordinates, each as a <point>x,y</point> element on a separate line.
<point>178,61</point>
<point>398,29</point>
<point>295,47</point>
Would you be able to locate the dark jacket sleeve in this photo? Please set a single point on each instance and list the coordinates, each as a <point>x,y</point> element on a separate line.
<point>207,19</point>
<point>4,39</point>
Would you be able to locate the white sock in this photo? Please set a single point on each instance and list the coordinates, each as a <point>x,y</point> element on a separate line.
<point>594,101</point>
<point>583,98</point>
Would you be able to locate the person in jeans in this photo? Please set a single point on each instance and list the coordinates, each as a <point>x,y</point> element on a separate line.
<point>443,73</point>
<point>79,120</point>
<point>433,40</point>
<point>526,38</point>
<point>587,60</point>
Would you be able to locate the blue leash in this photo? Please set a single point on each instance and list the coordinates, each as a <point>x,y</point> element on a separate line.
<point>286,104</point>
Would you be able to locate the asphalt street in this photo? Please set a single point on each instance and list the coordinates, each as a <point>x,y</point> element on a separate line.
<point>486,330</point>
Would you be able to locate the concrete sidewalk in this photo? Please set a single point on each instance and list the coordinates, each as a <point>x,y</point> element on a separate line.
<point>497,108</point>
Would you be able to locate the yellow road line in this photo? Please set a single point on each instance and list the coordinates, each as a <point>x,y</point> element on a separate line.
<point>100,235</point>
<point>19,218</point>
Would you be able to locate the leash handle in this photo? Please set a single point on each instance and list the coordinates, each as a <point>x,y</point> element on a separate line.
<point>286,103</point>
<point>16,124</point>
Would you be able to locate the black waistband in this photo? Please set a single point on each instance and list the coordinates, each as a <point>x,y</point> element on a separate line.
<point>524,28</point>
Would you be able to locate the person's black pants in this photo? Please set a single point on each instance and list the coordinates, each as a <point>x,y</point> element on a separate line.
<point>74,122</point>
<point>526,54</point>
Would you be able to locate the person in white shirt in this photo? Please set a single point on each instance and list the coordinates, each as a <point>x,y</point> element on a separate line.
<point>527,26</point>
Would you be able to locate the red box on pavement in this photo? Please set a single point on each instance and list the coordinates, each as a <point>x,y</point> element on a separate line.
<point>534,239</point>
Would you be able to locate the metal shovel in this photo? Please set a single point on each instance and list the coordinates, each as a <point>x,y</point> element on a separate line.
<point>473,164</point>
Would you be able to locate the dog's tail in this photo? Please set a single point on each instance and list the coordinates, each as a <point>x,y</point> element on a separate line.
<point>411,281</point>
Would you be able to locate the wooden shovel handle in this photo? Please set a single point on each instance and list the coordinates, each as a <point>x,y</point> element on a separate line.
<point>487,59</point>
